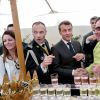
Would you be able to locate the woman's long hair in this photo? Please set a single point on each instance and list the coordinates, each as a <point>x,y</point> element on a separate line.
<point>5,50</point>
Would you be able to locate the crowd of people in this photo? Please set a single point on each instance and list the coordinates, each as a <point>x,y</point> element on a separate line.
<point>64,58</point>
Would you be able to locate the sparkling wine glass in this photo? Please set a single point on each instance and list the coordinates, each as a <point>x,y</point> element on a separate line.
<point>54,79</point>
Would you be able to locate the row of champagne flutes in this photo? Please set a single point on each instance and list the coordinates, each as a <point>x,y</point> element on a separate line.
<point>90,91</point>
<point>63,92</point>
<point>89,86</point>
<point>51,92</point>
<point>86,84</point>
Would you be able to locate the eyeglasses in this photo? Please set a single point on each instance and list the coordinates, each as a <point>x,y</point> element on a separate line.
<point>97,28</point>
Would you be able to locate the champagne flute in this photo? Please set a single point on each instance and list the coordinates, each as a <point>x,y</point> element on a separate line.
<point>36,93</point>
<point>36,90</point>
<point>92,79</point>
<point>84,80</point>
<point>43,89</point>
<point>92,91</point>
<point>77,81</point>
<point>54,79</point>
<point>83,92</point>
<point>67,90</point>
<point>51,92</point>
<point>59,92</point>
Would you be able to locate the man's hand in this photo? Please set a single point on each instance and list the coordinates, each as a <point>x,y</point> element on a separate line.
<point>96,69</point>
<point>92,37</point>
<point>79,56</point>
<point>47,61</point>
<point>80,72</point>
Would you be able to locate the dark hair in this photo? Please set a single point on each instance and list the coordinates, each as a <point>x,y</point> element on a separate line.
<point>10,25</point>
<point>93,18</point>
<point>5,51</point>
<point>64,23</point>
<point>37,23</point>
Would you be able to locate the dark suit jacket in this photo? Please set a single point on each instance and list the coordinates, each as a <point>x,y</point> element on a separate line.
<point>31,65</point>
<point>64,63</point>
<point>88,49</point>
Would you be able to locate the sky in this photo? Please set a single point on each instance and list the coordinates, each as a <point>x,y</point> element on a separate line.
<point>78,12</point>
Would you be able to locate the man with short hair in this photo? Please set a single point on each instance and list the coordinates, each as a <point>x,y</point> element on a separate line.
<point>68,54</point>
<point>42,58</point>
<point>89,42</point>
<point>11,27</point>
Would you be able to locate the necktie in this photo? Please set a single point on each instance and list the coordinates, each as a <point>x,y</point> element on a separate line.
<point>45,48</point>
<point>71,48</point>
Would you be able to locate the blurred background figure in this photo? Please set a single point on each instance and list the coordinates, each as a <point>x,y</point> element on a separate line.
<point>96,51</point>
<point>89,42</point>
<point>10,27</point>
<point>95,66</point>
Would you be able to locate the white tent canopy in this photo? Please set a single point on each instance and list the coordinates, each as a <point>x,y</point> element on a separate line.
<point>51,12</point>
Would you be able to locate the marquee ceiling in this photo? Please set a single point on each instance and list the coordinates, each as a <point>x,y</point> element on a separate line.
<point>51,12</point>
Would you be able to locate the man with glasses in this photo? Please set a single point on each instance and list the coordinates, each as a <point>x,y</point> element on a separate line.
<point>89,42</point>
<point>96,51</point>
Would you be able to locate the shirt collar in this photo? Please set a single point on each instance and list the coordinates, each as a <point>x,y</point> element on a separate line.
<point>93,32</point>
<point>65,41</point>
<point>42,44</point>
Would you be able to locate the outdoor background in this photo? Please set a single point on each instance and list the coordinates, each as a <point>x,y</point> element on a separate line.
<point>51,12</point>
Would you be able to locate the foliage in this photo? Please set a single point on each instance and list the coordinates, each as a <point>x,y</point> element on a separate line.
<point>76,37</point>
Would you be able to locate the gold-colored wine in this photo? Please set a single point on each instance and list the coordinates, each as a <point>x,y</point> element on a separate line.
<point>51,91</point>
<point>43,91</point>
<point>83,91</point>
<point>66,91</point>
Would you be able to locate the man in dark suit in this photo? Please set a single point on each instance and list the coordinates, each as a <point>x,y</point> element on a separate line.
<point>67,58</point>
<point>41,49</point>
<point>89,42</point>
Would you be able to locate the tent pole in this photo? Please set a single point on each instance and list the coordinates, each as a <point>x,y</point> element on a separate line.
<point>18,39</point>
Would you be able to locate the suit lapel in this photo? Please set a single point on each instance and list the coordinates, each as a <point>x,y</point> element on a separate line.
<point>65,48</point>
<point>39,49</point>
